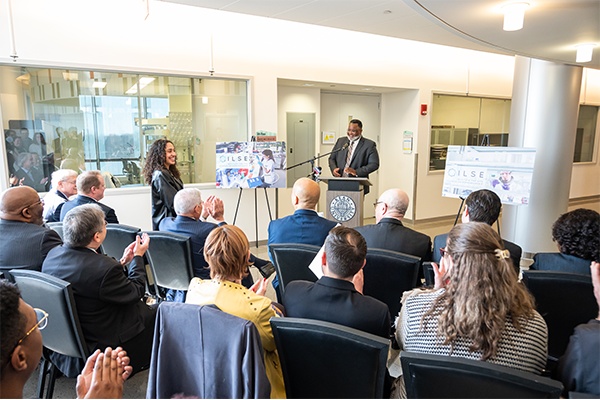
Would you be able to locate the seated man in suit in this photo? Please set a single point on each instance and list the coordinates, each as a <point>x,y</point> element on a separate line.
<point>90,186</point>
<point>64,185</point>
<point>26,174</point>
<point>481,206</point>
<point>24,243</point>
<point>337,296</point>
<point>304,226</point>
<point>390,234</point>
<point>108,295</point>
<point>577,235</point>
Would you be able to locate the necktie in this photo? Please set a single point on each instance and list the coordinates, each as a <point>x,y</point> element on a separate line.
<point>348,158</point>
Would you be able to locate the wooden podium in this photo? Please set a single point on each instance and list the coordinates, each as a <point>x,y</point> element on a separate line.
<point>345,200</point>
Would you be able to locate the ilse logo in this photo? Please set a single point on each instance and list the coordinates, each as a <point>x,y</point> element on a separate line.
<point>234,158</point>
<point>465,173</point>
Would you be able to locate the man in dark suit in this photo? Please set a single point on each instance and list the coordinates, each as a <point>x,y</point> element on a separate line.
<point>305,225</point>
<point>481,206</point>
<point>25,174</point>
<point>389,233</point>
<point>90,189</point>
<point>359,158</point>
<point>108,295</point>
<point>24,243</point>
<point>337,296</point>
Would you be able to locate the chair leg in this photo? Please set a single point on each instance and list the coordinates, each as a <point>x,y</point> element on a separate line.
<point>50,391</point>
<point>42,378</point>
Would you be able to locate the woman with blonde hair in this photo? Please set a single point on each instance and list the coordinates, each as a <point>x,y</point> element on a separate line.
<point>478,309</point>
<point>227,252</point>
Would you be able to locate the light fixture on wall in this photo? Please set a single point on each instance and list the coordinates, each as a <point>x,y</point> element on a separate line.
<point>204,100</point>
<point>514,14</point>
<point>585,52</point>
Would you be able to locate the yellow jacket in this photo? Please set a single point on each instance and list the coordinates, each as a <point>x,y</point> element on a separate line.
<point>236,300</point>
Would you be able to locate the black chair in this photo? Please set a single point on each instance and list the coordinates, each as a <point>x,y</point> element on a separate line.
<point>291,262</point>
<point>170,259</point>
<point>329,361</point>
<point>118,237</point>
<point>58,227</point>
<point>63,334</point>
<point>428,273</point>
<point>428,376</point>
<point>388,274</point>
<point>565,300</point>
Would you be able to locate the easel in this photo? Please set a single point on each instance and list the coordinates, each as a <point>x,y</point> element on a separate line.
<point>255,209</point>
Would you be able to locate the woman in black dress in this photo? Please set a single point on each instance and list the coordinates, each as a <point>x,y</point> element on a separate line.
<point>161,172</point>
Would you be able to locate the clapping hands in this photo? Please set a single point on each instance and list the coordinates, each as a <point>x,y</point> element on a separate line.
<point>213,206</point>
<point>104,374</point>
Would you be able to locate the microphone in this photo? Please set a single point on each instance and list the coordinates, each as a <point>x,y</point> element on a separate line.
<point>346,146</point>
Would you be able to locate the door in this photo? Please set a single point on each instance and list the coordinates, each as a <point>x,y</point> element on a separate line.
<point>300,137</point>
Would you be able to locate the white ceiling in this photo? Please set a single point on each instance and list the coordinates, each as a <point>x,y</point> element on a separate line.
<point>552,27</point>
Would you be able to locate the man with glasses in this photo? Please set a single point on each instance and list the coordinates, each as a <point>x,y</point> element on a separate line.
<point>90,189</point>
<point>24,243</point>
<point>64,185</point>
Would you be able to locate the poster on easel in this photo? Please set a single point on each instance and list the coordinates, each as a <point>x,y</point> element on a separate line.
<point>250,165</point>
<point>507,171</point>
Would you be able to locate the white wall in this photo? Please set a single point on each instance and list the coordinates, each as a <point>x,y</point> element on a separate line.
<point>176,40</point>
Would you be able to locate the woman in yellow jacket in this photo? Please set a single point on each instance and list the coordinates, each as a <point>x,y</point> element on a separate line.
<point>227,252</point>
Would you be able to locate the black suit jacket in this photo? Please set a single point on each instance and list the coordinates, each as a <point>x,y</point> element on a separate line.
<point>24,245</point>
<point>336,300</point>
<point>164,187</point>
<point>390,234</point>
<point>109,213</point>
<point>364,160</point>
<point>560,262</point>
<point>27,181</point>
<point>107,296</point>
<point>514,250</point>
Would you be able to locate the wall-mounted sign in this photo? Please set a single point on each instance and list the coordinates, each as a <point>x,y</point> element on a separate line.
<point>328,137</point>
<point>407,142</point>
<point>264,136</point>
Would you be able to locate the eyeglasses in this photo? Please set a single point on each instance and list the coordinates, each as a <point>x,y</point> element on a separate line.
<point>40,201</point>
<point>377,202</point>
<point>42,322</point>
<point>443,252</point>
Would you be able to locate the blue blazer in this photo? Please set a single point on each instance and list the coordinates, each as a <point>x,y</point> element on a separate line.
<point>303,226</point>
<point>560,262</point>
<point>109,213</point>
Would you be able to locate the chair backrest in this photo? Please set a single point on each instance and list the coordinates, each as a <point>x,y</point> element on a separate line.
<point>428,376</point>
<point>291,262</point>
<point>565,300</point>
<point>205,353</point>
<point>170,259</point>
<point>55,296</point>
<point>118,237</point>
<point>388,274</point>
<point>325,360</point>
<point>428,273</point>
<point>58,227</point>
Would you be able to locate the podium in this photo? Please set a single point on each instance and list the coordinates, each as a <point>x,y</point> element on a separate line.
<point>345,200</point>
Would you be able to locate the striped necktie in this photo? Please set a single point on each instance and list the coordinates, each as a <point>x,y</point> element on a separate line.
<point>348,158</point>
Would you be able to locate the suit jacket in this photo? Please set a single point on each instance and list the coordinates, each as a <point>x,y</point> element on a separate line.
<point>28,181</point>
<point>337,301</point>
<point>391,234</point>
<point>107,296</point>
<point>364,160</point>
<point>51,201</point>
<point>514,250</point>
<point>109,213</point>
<point>164,187</point>
<point>24,245</point>
<point>560,262</point>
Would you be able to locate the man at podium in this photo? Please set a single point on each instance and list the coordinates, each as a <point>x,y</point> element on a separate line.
<point>354,155</point>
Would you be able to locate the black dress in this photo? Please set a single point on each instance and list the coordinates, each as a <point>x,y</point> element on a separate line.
<point>164,188</point>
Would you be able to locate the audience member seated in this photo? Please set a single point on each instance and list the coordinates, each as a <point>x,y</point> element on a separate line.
<point>389,233</point>
<point>579,367</point>
<point>477,310</point>
<point>481,206</point>
<point>192,213</point>
<point>227,252</point>
<point>337,296</point>
<point>108,295</point>
<point>27,175</point>
<point>577,235</point>
<point>304,226</point>
<point>90,186</point>
<point>64,185</point>
<point>24,243</point>
<point>102,377</point>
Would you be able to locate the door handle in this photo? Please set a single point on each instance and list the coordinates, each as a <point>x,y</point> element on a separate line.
<point>291,150</point>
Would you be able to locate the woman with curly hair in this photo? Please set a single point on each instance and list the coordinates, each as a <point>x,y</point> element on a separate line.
<point>161,172</point>
<point>577,235</point>
<point>477,310</point>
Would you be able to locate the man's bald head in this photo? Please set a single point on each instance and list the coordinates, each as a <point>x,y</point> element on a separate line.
<point>392,203</point>
<point>21,204</point>
<point>305,194</point>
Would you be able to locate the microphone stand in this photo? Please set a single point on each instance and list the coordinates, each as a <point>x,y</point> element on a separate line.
<point>314,176</point>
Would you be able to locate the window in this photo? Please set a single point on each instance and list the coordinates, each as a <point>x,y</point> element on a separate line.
<point>467,121</point>
<point>586,134</point>
<point>82,120</point>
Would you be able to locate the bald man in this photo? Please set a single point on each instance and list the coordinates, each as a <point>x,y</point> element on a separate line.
<point>304,226</point>
<point>24,243</point>
<point>389,233</point>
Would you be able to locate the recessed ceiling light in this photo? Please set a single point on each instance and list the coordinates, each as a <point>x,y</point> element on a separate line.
<point>309,84</point>
<point>585,52</point>
<point>99,85</point>
<point>514,14</point>
<point>368,88</point>
<point>387,11</point>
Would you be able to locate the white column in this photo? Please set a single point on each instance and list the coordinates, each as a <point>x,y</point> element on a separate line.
<point>545,104</point>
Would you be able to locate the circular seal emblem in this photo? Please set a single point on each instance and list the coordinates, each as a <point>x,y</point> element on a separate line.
<point>342,208</point>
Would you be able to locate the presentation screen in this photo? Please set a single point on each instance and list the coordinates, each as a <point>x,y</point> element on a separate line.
<point>507,171</point>
<point>251,165</point>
